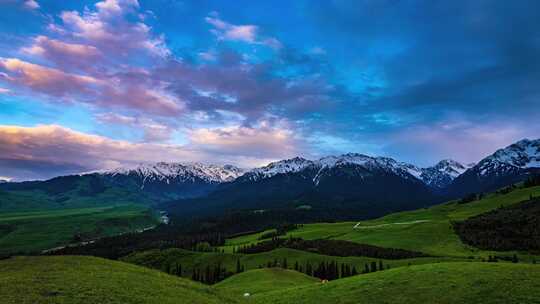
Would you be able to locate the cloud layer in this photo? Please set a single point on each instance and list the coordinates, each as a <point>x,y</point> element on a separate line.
<point>252,81</point>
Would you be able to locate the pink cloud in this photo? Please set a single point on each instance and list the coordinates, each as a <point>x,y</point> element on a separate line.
<point>263,141</point>
<point>109,28</point>
<point>461,140</point>
<point>45,79</point>
<point>55,146</point>
<point>64,54</point>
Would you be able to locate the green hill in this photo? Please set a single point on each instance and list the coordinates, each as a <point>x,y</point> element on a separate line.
<point>426,230</point>
<point>264,280</point>
<point>71,279</point>
<point>38,230</point>
<point>492,283</point>
<point>190,260</point>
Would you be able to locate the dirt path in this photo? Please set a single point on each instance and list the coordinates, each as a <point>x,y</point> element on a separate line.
<point>357,226</point>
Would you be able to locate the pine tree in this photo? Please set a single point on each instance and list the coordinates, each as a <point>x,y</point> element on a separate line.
<point>515,259</point>
<point>381,266</point>
<point>354,272</point>
<point>366,268</point>
<point>284,265</point>
<point>296,265</point>
<point>238,268</point>
<point>373,266</point>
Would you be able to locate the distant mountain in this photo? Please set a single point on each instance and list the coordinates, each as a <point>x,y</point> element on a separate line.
<point>443,173</point>
<point>166,181</point>
<point>506,166</point>
<point>374,185</point>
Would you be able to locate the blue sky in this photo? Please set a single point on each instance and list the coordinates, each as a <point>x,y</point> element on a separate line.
<point>87,85</point>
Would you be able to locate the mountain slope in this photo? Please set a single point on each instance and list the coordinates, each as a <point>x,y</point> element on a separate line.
<point>506,166</point>
<point>432,283</point>
<point>71,279</point>
<point>443,173</point>
<point>346,182</point>
<point>166,181</point>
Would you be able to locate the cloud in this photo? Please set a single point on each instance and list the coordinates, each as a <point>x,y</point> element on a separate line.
<point>245,33</point>
<point>153,131</point>
<point>263,142</point>
<point>462,140</point>
<point>109,28</point>
<point>44,79</point>
<point>4,91</point>
<point>45,151</point>
<point>63,53</point>
<point>31,4</point>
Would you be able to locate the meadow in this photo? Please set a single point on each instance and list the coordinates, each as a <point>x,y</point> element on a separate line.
<point>426,230</point>
<point>72,279</point>
<point>33,231</point>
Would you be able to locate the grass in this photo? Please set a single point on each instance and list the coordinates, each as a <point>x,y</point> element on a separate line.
<point>264,280</point>
<point>432,283</point>
<point>159,259</point>
<point>71,279</point>
<point>76,279</point>
<point>434,235</point>
<point>38,230</point>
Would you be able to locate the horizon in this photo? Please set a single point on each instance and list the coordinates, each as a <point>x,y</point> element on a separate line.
<point>94,85</point>
<point>247,169</point>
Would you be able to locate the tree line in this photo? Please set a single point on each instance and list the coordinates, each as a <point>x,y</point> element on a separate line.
<point>330,247</point>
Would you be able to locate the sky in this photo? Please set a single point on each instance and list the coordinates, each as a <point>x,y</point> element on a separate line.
<point>89,85</point>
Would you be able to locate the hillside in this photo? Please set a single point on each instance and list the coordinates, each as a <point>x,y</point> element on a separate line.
<point>264,280</point>
<point>432,283</point>
<point>425,230</point>
<point>39,230</point>
<point>70,279</point>
<point>190,260</point>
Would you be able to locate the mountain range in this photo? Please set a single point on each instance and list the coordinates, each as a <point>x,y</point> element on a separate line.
<point>350,181</point>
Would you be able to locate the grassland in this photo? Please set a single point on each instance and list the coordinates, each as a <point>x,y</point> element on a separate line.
<point>502,283</point>
<point>264,280</point>
<point>189,260</point>
<point>70,279</point>
<point>426,230</point>
<point>38,230</point>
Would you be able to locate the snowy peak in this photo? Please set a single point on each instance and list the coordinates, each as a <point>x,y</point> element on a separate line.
<point>524,154</point>
<point>180,171</point>
<point>292,165</point>
<point>451,167</point>
<point>443,173</point>
<point>324,165</point>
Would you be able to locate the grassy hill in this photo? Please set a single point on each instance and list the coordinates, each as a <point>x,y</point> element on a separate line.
<point>189,260</point>
<point>65,192</point>
<point>264,280</point>
<point>502,283</point>
<point>38,230</point>
<point>73,279</point>
<point>70,279</point>
<point>426,230</point>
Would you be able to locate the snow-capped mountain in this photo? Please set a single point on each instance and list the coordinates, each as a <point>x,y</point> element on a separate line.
<point>165,181</point>
<point>299,164</point>
<point>292,165</point>
<point>509,165</point>
<point>443,173</point>
<point>437,177</point>
<point>523,154</point>
<point>344,181</point>
<point>169,172</point>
